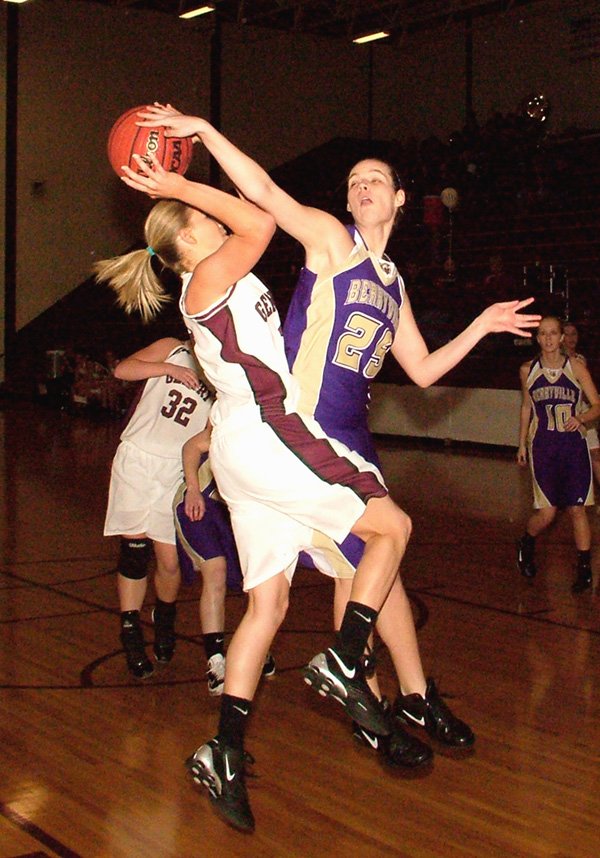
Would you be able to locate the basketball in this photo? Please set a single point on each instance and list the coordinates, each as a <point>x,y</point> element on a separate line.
<point>127,139</point>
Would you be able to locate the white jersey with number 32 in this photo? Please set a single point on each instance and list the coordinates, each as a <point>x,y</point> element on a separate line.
<point>167,412</point>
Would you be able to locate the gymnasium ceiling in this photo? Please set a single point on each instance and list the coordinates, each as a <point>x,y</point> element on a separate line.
<point>335,18</point>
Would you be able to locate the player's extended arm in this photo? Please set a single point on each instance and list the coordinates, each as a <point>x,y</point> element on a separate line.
<point>325,239</point>
<point>150,362</point>
<point>425,367</point>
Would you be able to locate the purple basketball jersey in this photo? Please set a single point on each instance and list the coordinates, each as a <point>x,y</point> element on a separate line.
<point>560,460</point>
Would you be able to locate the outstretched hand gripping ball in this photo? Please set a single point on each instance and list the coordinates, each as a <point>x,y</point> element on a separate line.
<point>127,139</point>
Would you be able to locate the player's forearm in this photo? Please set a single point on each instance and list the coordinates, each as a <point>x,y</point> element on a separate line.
<point>190,456</point>
<point>589,416</point>
<point>242,218</point>
<point>134,369</point>
<point>431,367</point>
<point>252,180</point>
<point>524,426</point>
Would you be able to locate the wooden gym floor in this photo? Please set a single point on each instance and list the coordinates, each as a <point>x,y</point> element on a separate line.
<point>92,761</point>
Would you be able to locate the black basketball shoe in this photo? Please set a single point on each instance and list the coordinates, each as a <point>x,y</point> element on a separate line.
<point>399,748</point>
<point>583,577</point>
<point>331,677</point>
<point>163,617</point>
<point>222,770</point>
<point>132,639</point>
<point>268,668</point>
<point>525,562</point>
<point>435,716</point>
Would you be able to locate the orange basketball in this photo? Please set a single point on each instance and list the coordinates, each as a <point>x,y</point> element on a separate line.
<point>127,139</point>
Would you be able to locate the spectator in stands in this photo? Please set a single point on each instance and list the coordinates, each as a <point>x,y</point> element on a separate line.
<point>441,310</point>
<point>417,281</point>
<point>95,386</point>
<point>498,284</point>
<point>86,388</point>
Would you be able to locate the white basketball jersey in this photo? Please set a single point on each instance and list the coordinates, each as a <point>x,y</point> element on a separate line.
<point>167,412</point>
<point>240,345</point>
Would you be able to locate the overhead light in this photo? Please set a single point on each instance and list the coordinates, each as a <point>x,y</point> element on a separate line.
<point>195,10</point>
<point>371,37</point>
<point>15,1</point>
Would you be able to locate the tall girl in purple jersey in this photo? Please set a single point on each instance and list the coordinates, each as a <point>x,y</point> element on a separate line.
<point>552,435</point>
<point>366,281</point>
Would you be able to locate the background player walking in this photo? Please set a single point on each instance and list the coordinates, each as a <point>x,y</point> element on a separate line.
<point>552,436</point>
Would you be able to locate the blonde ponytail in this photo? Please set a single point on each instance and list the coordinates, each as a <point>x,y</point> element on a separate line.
<point>132,276</point>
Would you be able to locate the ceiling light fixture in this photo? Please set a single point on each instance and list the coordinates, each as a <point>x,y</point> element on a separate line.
<point>202,9</point>
<point>371,37</point>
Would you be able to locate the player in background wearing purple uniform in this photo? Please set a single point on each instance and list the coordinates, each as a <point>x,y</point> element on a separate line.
<point>282,478</point>
<point>552,435</point>
<point>378,318</point>
<point>146,471</point>
<point>205,545</point>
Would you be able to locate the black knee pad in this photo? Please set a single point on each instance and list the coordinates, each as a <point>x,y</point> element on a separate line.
<point>134,558</point>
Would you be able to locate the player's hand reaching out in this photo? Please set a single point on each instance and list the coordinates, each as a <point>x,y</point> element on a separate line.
<point>505,317</point>
<point>175,123</point>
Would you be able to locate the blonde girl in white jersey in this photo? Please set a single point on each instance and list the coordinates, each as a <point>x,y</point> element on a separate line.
<point>341,492</point>
<point>336,322</point>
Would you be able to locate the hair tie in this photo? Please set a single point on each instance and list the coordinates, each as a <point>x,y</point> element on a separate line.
<point>151,251</point>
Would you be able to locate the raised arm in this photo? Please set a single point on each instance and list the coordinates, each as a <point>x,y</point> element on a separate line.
<point>425,367</point>
<point>325,239</point>
<point>151,362</point>
<point>234,255</point>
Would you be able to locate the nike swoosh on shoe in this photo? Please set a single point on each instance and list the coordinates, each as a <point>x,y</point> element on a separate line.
<point>373,741</point>
<point>419,721</point>
<point>349,674</point>
<point>228,773</point>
